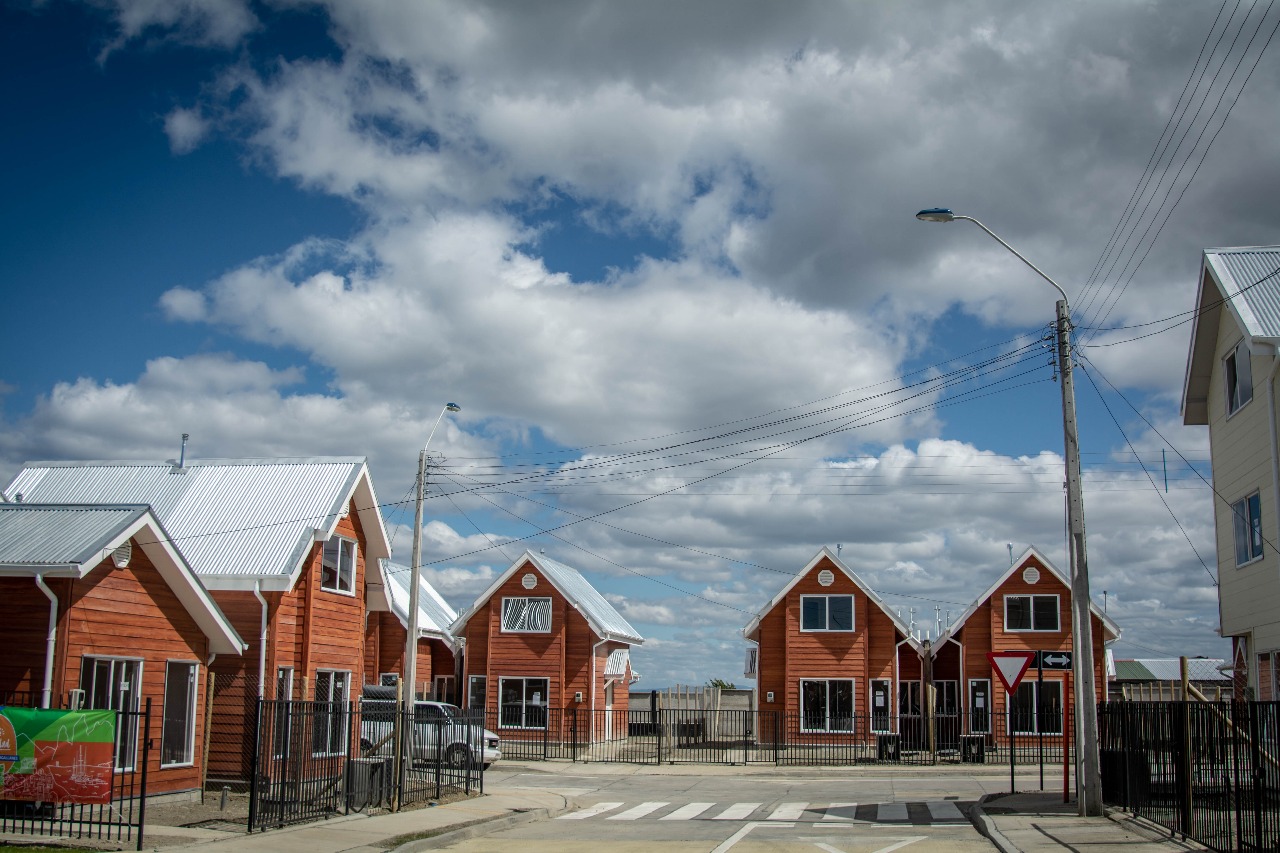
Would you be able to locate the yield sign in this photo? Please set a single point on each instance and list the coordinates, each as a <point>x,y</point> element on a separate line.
<point>1011,666</point>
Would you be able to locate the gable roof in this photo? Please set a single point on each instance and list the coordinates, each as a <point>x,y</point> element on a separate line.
<point>606,621</point>
<point>1109,627</point>
<point>751,632</point>
<point>72,540</point>
<point>237,521</point>
<point>434,613</point>
<point>1246,282</point>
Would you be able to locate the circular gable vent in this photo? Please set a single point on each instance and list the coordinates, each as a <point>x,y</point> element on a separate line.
<point>529,581</point>
<point>1031,575</point>
<point>826,578</point>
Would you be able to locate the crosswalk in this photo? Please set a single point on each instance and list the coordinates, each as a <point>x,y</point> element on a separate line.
<point>926,813</point>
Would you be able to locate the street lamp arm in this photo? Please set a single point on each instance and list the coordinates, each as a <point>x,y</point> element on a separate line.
<point>454,407</point>
<point>1020,256</point>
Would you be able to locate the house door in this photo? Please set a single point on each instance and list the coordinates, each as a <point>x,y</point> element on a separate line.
<point>608,712</point>
<point>881,710</point>
<point>910,719</point>
<point>946,715</point>
<point>114,684</point>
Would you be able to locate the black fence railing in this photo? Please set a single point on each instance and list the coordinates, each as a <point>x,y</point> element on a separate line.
<point>1207,771</point>
<point>119,820</point>
<point>318,759</point>
<point>699,736</point>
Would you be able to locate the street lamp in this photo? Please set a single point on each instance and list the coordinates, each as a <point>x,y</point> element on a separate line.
<point>1088,773</point>
<point>415,573</point>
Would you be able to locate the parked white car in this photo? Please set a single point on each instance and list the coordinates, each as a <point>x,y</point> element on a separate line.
<point>440,732</point>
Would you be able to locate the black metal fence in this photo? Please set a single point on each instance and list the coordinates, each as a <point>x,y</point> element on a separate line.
<point>119,820</point>
<point>698,736</point>
<point>313,760</point>
<point>1207,771</point>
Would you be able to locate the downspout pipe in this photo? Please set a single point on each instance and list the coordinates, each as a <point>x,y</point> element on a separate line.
<point>262,642</point>
<point>1271,422</point>
<point>592,727</point>
<point>51,642</point>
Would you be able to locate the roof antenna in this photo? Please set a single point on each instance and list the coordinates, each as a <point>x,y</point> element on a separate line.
<point>1010,547</point>
<point>838,547</point>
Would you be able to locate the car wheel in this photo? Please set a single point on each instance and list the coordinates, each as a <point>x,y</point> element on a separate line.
<point>458,756</point>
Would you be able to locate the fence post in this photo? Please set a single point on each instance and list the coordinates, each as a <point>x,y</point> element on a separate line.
<point>253,767</point>
<point>146,759</point>
<point>1255,742</point>
<point>1182,716</point>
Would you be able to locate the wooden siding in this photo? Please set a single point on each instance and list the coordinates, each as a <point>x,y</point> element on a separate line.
<point>384,652</point>
<point>121,613</point>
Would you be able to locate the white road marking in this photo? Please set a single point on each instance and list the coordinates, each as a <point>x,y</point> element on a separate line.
<point>830,849</point>
<point>830,812</point>
<point>892,812</point>
<point>902,843</point>
<point>592,811</point>
<point>738,811</point>
<point>728,843</point>
<point>944,810</point>
<point>788,811</point>
<point>637,812</point>
<point>687,812</point>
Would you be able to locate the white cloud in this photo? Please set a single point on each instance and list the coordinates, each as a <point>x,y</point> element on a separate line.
<point>208,23</point>
<point>186,129</point>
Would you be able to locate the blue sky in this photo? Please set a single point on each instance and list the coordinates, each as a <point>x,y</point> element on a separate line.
<point>300,228</point>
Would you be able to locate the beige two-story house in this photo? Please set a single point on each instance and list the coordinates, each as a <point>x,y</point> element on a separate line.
<point>1230,385</point>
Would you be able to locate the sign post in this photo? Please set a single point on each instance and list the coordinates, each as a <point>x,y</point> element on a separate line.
<point>1009,668</point>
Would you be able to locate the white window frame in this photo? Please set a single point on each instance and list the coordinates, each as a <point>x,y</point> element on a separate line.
<point>525,705</point>
<point>1246,526</point>
<point>192,704</point>
<point>987,711</point>
<point>873,712</point>
<point>1057,610</point>
<point>827,615</point>
<point>282,725</point>
<point>1035,689</point>
<point>340,542</point>
<point>827,715</point>
<point>126,751</point>
<point>517,622</point>
<point>1237,377</point>
<point>342,708</point>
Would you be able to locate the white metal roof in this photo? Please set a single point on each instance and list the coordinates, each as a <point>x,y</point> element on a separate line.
<point>603,618</point>
<point>434,613</point>
<point>236,520</point>
<point>616,665</point>
<point>29,546</point>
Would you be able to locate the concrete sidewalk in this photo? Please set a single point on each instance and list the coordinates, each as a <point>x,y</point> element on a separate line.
<point>1041,821</point>
<point>497,809</point>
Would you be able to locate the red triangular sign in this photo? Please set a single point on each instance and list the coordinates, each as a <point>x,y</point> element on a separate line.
<point>1010,667</point>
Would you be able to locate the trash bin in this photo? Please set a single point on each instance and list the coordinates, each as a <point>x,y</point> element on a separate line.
<point>889,747</point>
<point>973,749</point>
<point>368,782</point>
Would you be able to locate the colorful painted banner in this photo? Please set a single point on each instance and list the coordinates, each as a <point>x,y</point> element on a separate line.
<point>56,756</point>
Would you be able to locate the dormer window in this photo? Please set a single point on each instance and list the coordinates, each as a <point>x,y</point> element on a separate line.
<point>1239,377</point>
<point>339,570</point>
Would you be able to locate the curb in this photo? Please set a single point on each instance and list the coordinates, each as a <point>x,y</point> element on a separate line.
<point>985,825</point>
<point>484,826</point>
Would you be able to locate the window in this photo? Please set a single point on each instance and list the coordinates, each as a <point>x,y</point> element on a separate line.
<point>881,712</point>
<point>329,729</point>
<point>532,615</point>
<point>339,569</point>
<point>909,698</point>
<point>523,703</point>
<point>178,732</point>
<point>282,720</point>
<point>1246,517</point>
<point>749,665</point>
<point>826,613</point>
<point>476,688</point>
<point>980,706</point>
<point>1031,613</point>
<point>1025,719</point>
<point>826,706</point>
<point>114,684</point>
<point>1239,377</point>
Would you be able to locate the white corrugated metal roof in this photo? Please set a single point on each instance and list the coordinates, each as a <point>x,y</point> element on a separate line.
<point>42,535</point>
<point>604,619</point>
<point>232,518</point>
<point>616,665</point>
<point>1251,277</point>
<point>1198,669</point>
<point>434,613</point>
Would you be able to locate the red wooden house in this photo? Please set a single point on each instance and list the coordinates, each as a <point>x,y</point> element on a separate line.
<point>282,544</point>
<point>833,660</point>
<point>1027,609</point>
<point>541,637</point>
<point>388,629</point>
<point>102,611</point>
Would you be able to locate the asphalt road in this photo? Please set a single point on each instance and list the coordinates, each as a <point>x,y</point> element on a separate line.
<point>746,809</point>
